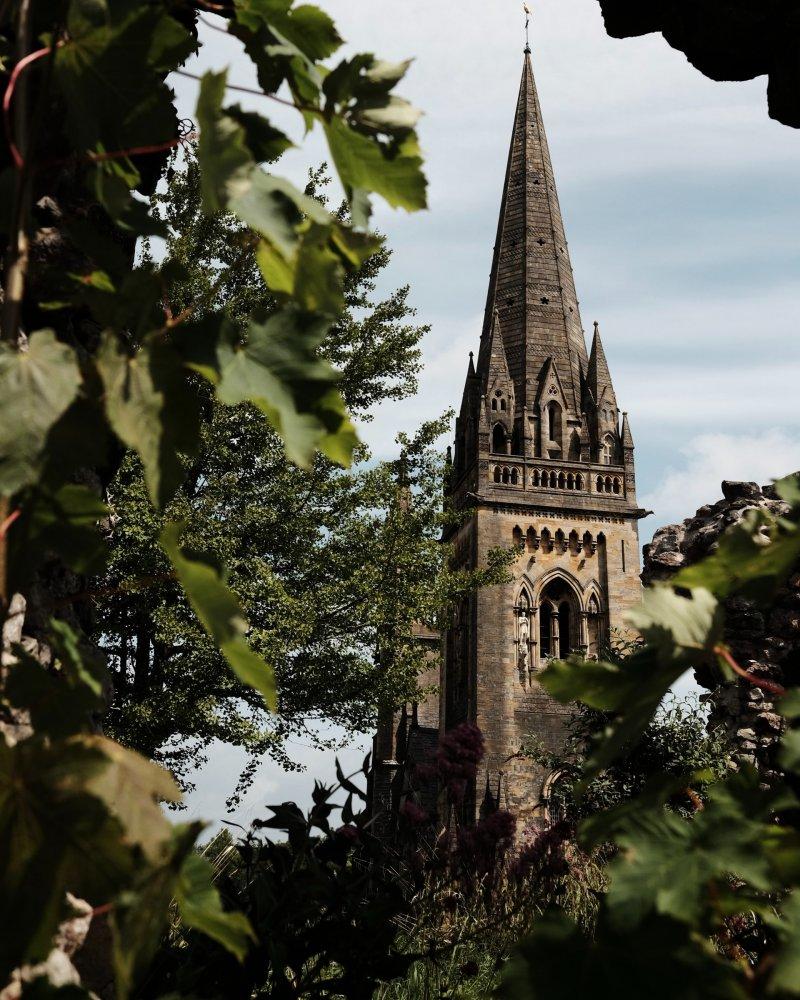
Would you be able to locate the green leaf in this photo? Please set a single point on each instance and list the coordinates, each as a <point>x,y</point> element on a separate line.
<point>62,521</point>
<point>201,907</point>
<point>786,974</point>
<point>667,862</point>
<point>151,408</point>
<point>133,788</point>
<point>218,609</point>
<point>280,371</point>
<point>36,387</point>
<point>788,489</point>
<point>60,700</point>
<point>226,162</point>
<point>139,916</point>
<point>678,627</point>
<point>746,561</point>
<point>111,78</point>
<point>789,755</point>
<point>394,172</point>
<point>49,825</point>
<point>661,959</point>
<point>265,142</point>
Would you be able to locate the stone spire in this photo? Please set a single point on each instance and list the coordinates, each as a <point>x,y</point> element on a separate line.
<point>627,437</point>
<point>598,376</point>
<point>531,286</point>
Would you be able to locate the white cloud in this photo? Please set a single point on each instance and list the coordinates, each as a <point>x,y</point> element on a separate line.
<point>709,458</point>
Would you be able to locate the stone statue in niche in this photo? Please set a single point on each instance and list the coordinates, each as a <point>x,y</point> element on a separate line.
<point>523,654</point>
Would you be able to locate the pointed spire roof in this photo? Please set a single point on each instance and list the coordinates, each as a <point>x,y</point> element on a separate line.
<point>497,365</point>
<point>531,284</point>
<point>627,437</point>
<point>598,375</point>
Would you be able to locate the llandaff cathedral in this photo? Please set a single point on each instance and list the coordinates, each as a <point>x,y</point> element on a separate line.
<point>545,460</point>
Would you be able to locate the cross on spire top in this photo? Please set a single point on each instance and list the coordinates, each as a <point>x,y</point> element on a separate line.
<point>527,10</point>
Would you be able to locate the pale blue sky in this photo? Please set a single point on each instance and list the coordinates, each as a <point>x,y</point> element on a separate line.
<point>681,207</point>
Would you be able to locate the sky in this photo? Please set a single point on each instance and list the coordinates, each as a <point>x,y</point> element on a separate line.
<point>679,196</point>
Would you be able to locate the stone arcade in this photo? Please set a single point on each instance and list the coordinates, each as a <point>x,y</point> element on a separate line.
<point>546,462</point>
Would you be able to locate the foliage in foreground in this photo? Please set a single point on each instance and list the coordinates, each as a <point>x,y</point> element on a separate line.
<point>95,358</point>
<point>704,905</point>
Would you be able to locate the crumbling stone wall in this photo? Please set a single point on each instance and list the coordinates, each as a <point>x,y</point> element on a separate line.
<point>764,643</point>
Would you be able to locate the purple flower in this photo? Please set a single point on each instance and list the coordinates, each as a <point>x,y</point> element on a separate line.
<point>460,752</point>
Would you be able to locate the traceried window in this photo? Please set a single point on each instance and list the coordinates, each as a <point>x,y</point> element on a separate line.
<point>607,450</point>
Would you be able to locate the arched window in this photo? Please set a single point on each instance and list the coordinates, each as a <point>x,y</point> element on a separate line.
<point>607,450</point>
<point>499,439</point>
<point>579,482</point>
<point>554,423</point>
<point>505,475</point>
<point>494,404</point>
<point>599,484</point>
<point>546,541</point>
<point>574,447</point>
<point>517,536</point>
<point>553,481</point>
<point>574,542</point>
<point>502,404</point>
<point>497,473</point>
<point>608,484</point>
<point>616,485</point>
<point>561,480</point>
<point>514,477</point>
<point>570,482</point>
<point>531,540</point>
<point>535,477</point>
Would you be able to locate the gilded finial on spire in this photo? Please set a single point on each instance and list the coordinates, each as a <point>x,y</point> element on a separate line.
<point>527,10</point>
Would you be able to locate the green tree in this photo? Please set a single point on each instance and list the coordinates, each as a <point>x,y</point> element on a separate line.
<point>329,564</point>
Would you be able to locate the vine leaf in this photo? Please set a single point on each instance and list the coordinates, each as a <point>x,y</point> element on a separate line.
<point>219,612</point>
<point>110,78</point>
<point>37,386</point>
<point>201,907</point>
<point>364,165</point>
<point>151,408</point>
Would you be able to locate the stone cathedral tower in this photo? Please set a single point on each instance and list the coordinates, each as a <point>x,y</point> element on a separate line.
<point>545,460</point>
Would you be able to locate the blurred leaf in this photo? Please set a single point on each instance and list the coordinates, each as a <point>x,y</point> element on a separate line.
<point>678,627</point>
<point>60,700</point>
<point>746,562</point>
<point>63,521</point>
<point>786,974</point>
<point>668,863</point>
<point>218,609</point>
<point>661,959</point>
<point>36,387</point>
<point>111,74</point>
<point>140,915</point>
<point>151,408</point>
<point>201,907</point>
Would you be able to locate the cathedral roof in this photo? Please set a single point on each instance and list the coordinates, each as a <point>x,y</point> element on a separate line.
<point>531,286</point>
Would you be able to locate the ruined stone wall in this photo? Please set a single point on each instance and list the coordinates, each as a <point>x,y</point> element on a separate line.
<point>763,643</point>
